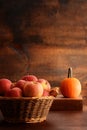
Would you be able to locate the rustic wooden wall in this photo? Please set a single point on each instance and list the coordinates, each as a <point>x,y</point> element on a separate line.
<point>43,37</point>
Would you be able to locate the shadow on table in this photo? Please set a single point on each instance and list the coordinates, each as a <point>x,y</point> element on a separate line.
<point>25,126</point>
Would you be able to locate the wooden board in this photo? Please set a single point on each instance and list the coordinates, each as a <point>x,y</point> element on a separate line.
<point>62,104</point>
<point>44,38</point>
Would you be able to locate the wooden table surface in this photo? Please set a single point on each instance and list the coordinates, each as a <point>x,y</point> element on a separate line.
<point>56,120</point>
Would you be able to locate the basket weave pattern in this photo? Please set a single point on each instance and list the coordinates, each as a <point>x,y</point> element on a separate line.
<point>28,110</point>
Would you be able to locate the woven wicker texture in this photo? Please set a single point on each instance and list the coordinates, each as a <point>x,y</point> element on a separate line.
<point>29,110</point>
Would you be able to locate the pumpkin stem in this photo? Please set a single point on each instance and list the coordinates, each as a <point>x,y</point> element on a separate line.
<point>70,72</point>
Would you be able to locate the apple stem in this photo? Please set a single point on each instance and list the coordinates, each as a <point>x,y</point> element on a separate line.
<point>70,72</point>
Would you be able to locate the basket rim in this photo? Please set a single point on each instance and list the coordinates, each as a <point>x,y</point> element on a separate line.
<point>26,98</point>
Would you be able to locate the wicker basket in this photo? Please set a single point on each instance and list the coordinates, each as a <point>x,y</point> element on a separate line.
<point>25,109</point>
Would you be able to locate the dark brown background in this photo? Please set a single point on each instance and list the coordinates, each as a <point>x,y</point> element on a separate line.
<point>44,38</point>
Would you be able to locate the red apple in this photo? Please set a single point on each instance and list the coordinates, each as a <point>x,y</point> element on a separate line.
<point>46,86</point>
<point>5,85</point>
<point>14,92</point>
<point>20,84</point>
<point>45,93</point>
<point>33,89</point>
<point>29,78</point>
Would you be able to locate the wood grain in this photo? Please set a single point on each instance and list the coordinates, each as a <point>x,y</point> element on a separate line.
<point>45,38</point>
<point>67,104</point>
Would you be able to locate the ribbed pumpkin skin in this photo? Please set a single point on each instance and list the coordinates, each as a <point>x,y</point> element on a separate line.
<point>70,87</point>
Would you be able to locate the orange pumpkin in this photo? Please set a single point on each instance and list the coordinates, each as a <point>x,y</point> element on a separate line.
<point>70,87</point>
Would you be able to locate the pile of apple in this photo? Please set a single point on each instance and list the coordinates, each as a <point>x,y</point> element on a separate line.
<point>27,86</point>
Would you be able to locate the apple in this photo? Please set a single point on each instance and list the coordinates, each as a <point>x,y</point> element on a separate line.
<point>33,89</point>
<point>46,86</point>
<point>45,93</point>
<point>20,84</point>
<point>29,78</point>
<point>14,92</point>
<point>5,85</point>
